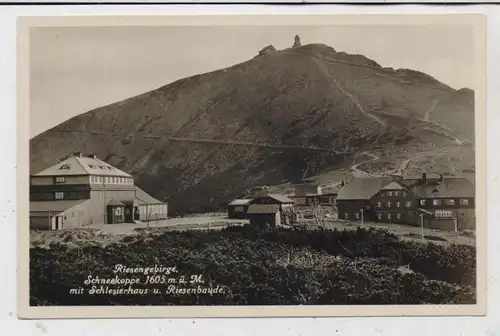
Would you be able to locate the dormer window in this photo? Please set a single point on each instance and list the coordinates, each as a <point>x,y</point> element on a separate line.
<point>102,167</point>
<point>92,166</point>
<point>64,167</point>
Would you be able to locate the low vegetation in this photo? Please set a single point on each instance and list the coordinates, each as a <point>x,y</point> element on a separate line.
<point>282,267</point>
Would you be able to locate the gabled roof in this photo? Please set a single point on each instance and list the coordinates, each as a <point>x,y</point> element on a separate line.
<point>363,188</point>
<point>436,188</point>
<point>240,202</point>
<point>393,186</point>
<point>280,198</point>
<point>263,209</point>
<point>82,165</point>
<point>143,196</point>
<point>115,203</point>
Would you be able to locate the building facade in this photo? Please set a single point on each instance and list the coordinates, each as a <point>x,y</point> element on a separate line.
<point>83,191</point>
<point>354,198</point>
<point>322,199</point>
<point>449,200</point>
<point>444,203</point>
<point>237,209</point>
<point>394,204</point>
<point>282,202</point>
<point>264,215</point>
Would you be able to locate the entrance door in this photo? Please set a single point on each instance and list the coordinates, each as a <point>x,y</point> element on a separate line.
<point>129,213</point>
<point>136,213</point>
<point>59,222</point>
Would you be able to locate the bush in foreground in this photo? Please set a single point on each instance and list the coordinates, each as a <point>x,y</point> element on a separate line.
<point>257,268</point>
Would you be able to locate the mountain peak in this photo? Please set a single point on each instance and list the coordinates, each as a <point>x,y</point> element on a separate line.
<point>281,117</point>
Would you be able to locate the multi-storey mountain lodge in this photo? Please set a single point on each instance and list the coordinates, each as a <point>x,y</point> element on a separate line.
<point>83,190</point>
<point>440,202</point>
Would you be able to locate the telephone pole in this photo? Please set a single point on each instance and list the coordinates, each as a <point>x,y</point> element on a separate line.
<point>422,225</point>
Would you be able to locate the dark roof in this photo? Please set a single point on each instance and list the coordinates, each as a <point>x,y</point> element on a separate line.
<point>129,202</point>
<point>263,209</point>
<point>240,202</point>
<point>363,188</point>
<point>115,203</point>
<point>53,206</point>
<point>322,194</point>
<point>280,198</point>
<point>143,196</point>
<point>435,188</point>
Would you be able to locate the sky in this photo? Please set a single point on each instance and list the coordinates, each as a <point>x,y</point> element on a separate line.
<point>76,69</point>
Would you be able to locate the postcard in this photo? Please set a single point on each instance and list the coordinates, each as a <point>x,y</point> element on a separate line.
<point>251,165</point>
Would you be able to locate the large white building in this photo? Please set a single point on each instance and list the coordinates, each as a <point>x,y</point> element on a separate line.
<point>82,190</point>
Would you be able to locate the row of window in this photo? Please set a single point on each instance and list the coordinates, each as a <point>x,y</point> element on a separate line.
<point>397,204</point>
<point>59,195</point>
<point>111,180</point>
<point>389,216</point>
<point>102,167</point>
<point>395,193</point>
<point>445,202</point>
<point>435,202</point>
<point>101,179</point>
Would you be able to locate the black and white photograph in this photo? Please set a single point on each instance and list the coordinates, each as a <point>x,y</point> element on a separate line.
<point>326,162</point>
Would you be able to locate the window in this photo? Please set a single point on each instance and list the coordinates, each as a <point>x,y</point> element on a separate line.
<point>464,202</point>
<point>398,204</point>
<point>106,179</point>
<point>422,202</point>
<point>60,179</point>
<point>357,215</point>
<point>398,216</point>
<point>436,202</point>
<point>379,216</point>
<point>408,204</point>
<point>396,193</point>
<point>389,193</point>
<point>346,215</point>
<point>388,204</point>
<point>450,202</point>
<point>379,204</point>
<point>59,195</point>
<point>404,194</point>
<point>64,167</point>
<point>388,216</point>
<point>443,213</point>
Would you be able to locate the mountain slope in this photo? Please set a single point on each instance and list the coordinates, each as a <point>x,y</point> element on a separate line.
<point>204,139</point>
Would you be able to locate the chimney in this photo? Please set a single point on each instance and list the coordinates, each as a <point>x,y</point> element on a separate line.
<point>424,177</point>
<point>92,156</point>
<point>78,154</point>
